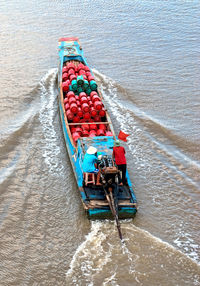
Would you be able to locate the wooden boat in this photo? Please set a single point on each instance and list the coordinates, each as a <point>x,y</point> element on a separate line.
<point>95,198</point>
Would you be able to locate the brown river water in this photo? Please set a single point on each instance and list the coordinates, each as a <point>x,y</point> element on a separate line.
<point>145,56</point>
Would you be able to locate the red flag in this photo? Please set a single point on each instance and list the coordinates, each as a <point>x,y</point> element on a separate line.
<point>122,136</point>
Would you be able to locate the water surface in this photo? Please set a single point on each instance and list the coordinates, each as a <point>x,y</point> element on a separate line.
<point>145,56</point>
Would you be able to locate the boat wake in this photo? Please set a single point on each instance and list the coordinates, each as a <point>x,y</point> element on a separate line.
<point>153,153</point>
<point>100,258</point>
<point>128,113</point>
<point>95,255</point>
<point>47,114</point>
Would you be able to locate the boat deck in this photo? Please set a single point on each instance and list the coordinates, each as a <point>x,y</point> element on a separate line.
<point>97,193</point>
<point>86,123</point>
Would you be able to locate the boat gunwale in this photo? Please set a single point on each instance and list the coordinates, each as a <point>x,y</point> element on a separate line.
<point>73,148</point>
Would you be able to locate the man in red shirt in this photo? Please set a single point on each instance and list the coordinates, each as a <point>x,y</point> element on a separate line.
<point>120,160</point>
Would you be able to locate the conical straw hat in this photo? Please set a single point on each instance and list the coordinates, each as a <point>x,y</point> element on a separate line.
<point>91,150</point>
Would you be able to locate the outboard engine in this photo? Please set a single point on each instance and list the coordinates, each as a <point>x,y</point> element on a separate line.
<point>109,177</point>
<point>109,170</point>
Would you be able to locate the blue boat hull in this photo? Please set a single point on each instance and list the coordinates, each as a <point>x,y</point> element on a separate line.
<point>93,197</point>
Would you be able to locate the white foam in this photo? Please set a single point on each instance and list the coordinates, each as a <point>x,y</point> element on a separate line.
<point>127,124</point>
<point>96,253</point>
<point>46,117</point>
<point>192,257</point>
<point>123,116</point>
<point>111,280</point>
<point>95,257</point>
<point>185,241</point>
<point>88,252</point>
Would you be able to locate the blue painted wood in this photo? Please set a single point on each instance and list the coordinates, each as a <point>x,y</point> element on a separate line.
<point>70,49</point>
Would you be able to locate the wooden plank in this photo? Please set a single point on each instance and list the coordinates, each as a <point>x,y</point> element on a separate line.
<point>126,203</point>
<point>98,202</point>
<point>82,123</point>
<point>105,203</point>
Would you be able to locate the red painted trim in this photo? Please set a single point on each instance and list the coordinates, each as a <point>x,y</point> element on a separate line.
<point>68,39</point>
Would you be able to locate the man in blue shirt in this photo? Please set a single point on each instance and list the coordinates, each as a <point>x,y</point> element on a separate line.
<point>89,163</point>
